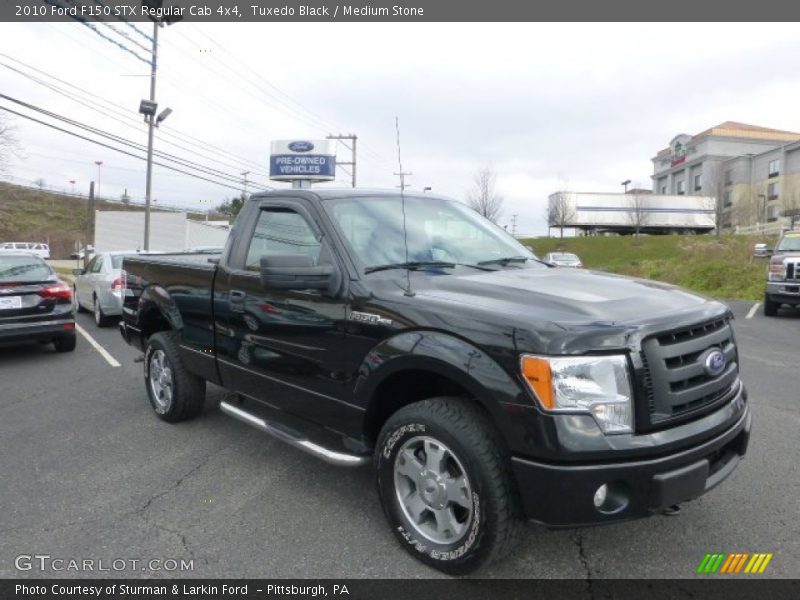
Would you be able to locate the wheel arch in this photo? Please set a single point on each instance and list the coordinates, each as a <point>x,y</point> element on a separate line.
<point>413,366</point>
<point>157,312</point>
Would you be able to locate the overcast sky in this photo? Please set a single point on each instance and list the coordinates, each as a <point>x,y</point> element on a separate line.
<point>545,105</point>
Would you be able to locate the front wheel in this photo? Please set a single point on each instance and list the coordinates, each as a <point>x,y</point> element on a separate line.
<point>770,306</point>
<point>175,393</point>
<point>445,484</point>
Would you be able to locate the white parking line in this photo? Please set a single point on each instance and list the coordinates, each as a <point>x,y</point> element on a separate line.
<point>103,352</point>
<point>753,310</point>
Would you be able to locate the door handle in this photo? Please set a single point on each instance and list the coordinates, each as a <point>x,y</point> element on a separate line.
<point>237,297</point>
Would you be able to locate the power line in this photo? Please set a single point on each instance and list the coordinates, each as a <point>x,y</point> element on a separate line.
<point>80,96</point>
<point>126,142</point>
<point>110,147</point>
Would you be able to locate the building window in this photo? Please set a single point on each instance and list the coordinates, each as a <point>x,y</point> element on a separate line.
<point>698,182</point>
<point>773,190</point>
<point>726,199</point>
<point>773,212</point>
<point>681,186</point>
<point>774,168</point>
<point>728,177</point>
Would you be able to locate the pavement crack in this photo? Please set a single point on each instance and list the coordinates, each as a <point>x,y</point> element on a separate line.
<point>578,540</point>
<point>145,507</point>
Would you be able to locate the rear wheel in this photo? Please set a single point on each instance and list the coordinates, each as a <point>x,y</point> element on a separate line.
<point>770,306</point>
<point>100,319</point>
<point>65,343</point>
<point>78,307</point>
<point>175,393</point>
<point>445,484</point>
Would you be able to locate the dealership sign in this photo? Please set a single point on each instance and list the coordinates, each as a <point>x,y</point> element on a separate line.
<point>297,160</point>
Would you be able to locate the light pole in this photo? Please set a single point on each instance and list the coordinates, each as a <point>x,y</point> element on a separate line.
<point>72,181</point>
<point>148,109</point>
<point>625,185</point>
<point>99,164</point>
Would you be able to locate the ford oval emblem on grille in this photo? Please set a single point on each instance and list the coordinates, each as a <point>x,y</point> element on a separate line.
<point>301,146</point>
<point>715,363</point>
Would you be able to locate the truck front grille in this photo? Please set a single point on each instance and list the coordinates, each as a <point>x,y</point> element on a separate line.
<point>792,271</point>
<point>676,382</point>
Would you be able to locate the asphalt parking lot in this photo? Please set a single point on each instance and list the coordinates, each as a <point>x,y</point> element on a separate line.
<point>89,472</point>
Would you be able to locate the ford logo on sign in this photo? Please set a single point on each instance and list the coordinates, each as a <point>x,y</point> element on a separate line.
<point>301,146</point>
<point>715,363</point>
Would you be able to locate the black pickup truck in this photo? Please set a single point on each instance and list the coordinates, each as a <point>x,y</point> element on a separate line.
<point>484,386</point>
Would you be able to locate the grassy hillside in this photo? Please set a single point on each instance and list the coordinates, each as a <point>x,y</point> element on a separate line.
<point>28,215</point>
<point>723,268</point>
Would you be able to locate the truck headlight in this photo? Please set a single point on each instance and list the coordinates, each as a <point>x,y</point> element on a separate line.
<point>597,385</point>
<point>777,271</point>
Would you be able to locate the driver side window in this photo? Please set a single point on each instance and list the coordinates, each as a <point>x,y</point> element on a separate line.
<point>281,231</point>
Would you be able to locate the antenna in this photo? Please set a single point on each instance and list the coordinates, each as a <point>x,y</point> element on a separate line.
<point>402,175</point>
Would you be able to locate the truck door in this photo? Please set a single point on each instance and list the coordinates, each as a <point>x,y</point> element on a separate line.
<point>284,347</point>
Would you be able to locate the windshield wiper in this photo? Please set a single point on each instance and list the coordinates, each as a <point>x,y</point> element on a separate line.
<point>505,261</point>
<point>416,264</point>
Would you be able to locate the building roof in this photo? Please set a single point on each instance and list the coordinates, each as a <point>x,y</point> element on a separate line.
<point>743,130</point>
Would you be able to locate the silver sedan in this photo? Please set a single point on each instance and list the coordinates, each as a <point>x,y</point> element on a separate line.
<point>98,288</point>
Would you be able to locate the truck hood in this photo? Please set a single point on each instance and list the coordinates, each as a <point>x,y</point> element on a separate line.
<point>565,296</point>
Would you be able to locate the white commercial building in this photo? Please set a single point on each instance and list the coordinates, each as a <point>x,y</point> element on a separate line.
<point>626,213</point>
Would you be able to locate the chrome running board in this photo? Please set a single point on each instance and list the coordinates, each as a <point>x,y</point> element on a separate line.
<point>340,459</point>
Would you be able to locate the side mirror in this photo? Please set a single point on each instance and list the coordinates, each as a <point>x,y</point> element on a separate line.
<point>77,272</point>
<point>297,272</point>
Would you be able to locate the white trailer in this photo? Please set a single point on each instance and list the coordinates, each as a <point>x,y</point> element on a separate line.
<point>625,213</point>
<point>169,232</point>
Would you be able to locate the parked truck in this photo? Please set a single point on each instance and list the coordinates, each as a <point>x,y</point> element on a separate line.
<point>783,274</point>
<point>483,386</point>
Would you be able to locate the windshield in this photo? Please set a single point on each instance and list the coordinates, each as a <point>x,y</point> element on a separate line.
<point>789,243</point>
<point>23,269</point>
<point>436,230</point>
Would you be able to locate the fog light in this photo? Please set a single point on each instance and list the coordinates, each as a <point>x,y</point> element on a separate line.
<point>600,496</point>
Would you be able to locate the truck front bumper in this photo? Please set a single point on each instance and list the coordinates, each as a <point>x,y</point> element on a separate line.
<point>565,495</point>
<point>785,293</point>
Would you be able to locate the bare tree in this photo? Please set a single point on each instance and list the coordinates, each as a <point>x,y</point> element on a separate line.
<point>40,183</point>
<point>560,212</point>
<point>791,206</point>
<point>714,188</point>
<point>483,197</point>
<point>637,211</point>
<point>8,143</point>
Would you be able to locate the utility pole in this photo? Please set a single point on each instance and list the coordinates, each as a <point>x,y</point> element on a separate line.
<point>352,164</point>
<point>514,224</point>
<point>402,175</point>
<point>151,126</point>
<point>244,184</point>
<point>89,226</point>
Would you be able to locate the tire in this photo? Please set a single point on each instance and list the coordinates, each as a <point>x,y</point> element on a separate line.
<point>770,307</point>
<point>174,393</point>
<point>65,343</point>
<point>100,319</point>
<point>78,307</point>
<point>465,478</point>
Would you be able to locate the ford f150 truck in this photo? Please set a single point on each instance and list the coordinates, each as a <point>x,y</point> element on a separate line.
<point>783,276</point>
<point>484,386</point>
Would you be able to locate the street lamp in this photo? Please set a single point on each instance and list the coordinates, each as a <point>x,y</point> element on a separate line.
<point>427,189</point>
<point>625,185</point>
<point>72,181</point>
<point>99,163</point>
